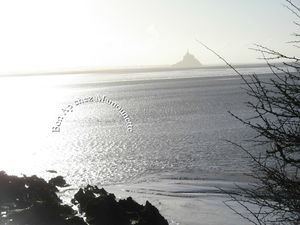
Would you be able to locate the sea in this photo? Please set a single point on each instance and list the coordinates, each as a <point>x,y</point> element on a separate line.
<point>178,153</point>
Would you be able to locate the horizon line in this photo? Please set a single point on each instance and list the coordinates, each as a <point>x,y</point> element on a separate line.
<point>128,69</point>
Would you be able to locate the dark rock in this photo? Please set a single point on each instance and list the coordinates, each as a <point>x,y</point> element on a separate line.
<point>132,208</point>
<point>76,221</point>
<point>150,215</point>
<point>105,210</point>
<point>21,192</point>
<point>33,201</point>
<point>42,213</point>
<point>51,171</point>
<point>102,208</point>
<point>58,181</point>
<point>130,205</point>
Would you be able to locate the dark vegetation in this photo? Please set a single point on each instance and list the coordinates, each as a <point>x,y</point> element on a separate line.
<point>33,201</point>
<point>275,198</point>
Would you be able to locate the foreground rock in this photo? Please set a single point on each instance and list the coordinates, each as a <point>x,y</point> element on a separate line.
<point>33,201</point>
<point>102,208</point>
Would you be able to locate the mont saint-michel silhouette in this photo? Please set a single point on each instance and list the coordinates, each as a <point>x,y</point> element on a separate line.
<point>188,61</point>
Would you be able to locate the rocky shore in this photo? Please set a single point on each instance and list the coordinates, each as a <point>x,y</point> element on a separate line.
<point>34,201</point>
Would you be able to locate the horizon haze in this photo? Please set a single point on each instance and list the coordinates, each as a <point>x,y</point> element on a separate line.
<point>70,35</point>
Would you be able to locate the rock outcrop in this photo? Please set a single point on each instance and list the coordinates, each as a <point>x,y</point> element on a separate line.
<point>33,201</point>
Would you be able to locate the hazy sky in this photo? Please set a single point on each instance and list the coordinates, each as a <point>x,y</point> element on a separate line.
<point>63,34</point>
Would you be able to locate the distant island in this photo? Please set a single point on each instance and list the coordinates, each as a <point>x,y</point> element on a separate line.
<point>188,61</point>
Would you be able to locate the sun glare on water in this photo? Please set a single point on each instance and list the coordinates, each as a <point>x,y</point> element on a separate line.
<point>28,107</point>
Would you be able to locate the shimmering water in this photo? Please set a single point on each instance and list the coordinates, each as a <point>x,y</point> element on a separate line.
<point>180,123</point>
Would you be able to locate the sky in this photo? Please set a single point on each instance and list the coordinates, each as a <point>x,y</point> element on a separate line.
<point>53,35</point>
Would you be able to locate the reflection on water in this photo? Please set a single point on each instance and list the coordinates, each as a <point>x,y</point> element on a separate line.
<point>179,126</point>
